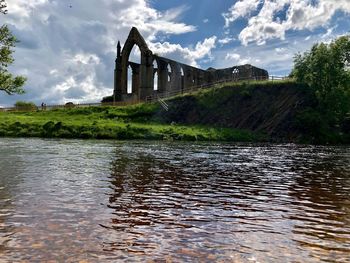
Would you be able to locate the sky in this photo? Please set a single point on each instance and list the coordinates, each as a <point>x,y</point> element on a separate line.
<point>67,48</point>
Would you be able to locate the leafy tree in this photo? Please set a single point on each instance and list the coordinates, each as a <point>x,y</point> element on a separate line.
<point>8,83</point>
<point>325,69</point>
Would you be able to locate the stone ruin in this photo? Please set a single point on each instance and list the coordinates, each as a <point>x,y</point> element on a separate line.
<point>173,77</point>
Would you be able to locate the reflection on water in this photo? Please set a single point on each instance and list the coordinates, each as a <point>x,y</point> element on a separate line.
<point>139,201</point>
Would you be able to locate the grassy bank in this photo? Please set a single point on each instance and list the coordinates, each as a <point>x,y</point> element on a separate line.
<point>256,111</point>
<point>132,122</point>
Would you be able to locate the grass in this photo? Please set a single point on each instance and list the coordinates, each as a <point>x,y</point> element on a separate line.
<point>131,122</point>
<point>142,121</point>
<point>151,122</point>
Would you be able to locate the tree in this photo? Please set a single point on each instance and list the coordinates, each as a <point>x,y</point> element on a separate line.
<point>3,7</point>
<point>8,83</point>
<point>325,69</point>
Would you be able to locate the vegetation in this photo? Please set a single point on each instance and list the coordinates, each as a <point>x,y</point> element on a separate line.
<point>325,71</point>
<point>25,106</point>
<point>8,83</point>
<point>3,7</point>
<point>133,122</point>
<point>264,111</point>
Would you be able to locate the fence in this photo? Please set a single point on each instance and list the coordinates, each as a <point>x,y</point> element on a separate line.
<point>155,97</point>
<point>70,106</point>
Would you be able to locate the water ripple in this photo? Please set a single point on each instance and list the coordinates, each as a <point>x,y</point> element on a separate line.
<point>71,200</point>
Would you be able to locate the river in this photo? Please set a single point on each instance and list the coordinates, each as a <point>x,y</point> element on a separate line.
<point>135,201</point>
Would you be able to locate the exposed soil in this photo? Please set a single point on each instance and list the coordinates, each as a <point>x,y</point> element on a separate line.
<point>269,109</point>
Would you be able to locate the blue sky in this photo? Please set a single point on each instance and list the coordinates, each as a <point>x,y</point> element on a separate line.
<point>67,53</point>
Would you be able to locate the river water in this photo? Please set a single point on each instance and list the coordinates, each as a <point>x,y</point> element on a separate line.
<point>105,201</point>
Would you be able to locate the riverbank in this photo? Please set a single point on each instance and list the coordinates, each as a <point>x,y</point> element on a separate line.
<point>132,122</point>
<point>257,111</point>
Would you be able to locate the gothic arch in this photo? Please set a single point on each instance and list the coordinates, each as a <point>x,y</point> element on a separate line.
<point>156,73</point>
<point>134,38</point>
<point>175,76</point>
<point>162,64</point>
<point>145,72</point>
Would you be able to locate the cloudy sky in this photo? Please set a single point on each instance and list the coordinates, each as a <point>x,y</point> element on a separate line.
<point>67,47</point>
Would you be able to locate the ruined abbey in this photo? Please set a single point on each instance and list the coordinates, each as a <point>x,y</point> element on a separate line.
<point>159,75</point>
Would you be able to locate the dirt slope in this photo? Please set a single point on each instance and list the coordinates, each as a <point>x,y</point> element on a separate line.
<point>270,108</point>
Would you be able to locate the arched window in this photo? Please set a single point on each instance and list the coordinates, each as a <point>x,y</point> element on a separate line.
<point>129,81</point>
<point>235,74</point>
<point>155,76</point>
<point>135,57</point>
<point>169,72</point>
<point>182,83</point>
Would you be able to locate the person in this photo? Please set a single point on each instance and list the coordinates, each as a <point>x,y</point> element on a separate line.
<point>42,105</point>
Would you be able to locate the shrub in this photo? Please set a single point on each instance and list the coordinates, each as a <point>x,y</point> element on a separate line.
<point>25,106</point>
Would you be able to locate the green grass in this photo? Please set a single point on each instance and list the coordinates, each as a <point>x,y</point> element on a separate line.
<point>132,122</point>
<point>142,121</point>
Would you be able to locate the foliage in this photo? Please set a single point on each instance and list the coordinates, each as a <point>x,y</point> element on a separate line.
<point>325,69</point>
<point>23,105</point>
<point>8,83</point>
<point>3,7</point>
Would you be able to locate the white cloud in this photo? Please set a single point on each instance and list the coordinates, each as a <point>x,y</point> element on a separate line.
<point>305,15</point>
<point>328,34</point>
<point>241,8</point>
<point>86,59</point>
<point>262,26</point>
<point>235,59</point>
<point>24,8</point>
<point>203,49</point>
<point>300,15</point>
<point>280,50</point>
<point>232,56</point>
<point>226,40</point>
<point>150,21</point>
<point>185,54</point>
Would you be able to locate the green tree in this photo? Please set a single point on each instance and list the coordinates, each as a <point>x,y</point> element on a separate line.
<point>8,83</point>
<point>325,69</point>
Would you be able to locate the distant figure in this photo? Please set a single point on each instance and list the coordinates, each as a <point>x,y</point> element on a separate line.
<point>42,105</point>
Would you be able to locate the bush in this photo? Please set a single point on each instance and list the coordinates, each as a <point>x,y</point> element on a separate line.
<point>69,105</point>
<point>25,106</point>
